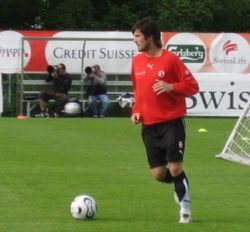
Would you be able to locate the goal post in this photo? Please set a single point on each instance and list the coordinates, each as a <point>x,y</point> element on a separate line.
<point>237,147</point>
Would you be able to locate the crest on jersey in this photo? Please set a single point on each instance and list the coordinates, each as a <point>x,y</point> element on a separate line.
<point>161,73</point>
<point>180,144</point>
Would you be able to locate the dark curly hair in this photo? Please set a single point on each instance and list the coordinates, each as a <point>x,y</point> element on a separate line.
<point>148,28</point>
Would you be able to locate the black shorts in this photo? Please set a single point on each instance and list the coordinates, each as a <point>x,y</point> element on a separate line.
<point>164,142</point>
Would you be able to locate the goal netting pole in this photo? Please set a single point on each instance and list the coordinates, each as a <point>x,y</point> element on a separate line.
<point>237,147</point>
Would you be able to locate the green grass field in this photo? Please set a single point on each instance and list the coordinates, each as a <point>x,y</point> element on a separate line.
<point>45,163</point>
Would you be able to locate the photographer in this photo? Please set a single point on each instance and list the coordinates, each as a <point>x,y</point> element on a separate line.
<point>96,90</point>
<point>61,85</point>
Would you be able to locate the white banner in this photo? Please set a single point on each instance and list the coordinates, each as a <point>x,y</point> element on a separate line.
<point>10,52</point>
<point>230,53</point>
<point>1,95</point>
<point>113,56</point>
<point>221,94</point>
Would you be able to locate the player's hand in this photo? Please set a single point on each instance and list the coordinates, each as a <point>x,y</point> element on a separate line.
<point>161,87</point>
<point>136,118</point>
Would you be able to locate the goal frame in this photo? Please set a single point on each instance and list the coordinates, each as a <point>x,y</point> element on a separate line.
<point>226,154</point>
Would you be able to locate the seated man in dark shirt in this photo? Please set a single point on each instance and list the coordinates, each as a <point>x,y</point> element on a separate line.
<point>61,85</point>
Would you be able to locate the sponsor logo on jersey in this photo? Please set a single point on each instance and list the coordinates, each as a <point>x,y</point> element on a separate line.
<point>150,66</point>
<point>141,73</point>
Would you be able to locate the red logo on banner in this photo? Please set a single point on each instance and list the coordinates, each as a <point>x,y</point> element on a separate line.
<point>230,47</point>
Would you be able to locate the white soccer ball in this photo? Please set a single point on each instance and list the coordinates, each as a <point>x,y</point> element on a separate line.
<point>83,207</point>
<point>72,108</point>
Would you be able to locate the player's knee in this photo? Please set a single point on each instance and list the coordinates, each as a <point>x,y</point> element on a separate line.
<point>175,169</point>
<point>159,175</point>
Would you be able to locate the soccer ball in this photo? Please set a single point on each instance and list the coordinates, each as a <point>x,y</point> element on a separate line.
<point>83,207</point>
<point>72,108</point>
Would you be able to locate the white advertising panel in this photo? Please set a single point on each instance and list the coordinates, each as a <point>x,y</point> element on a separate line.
<point>112,55</point>
<point>190,48</point>
<point>220,94</point>
<point>1,95</point>
<point>230,53</point>
<point>220,61</point>
<point>10,52</point>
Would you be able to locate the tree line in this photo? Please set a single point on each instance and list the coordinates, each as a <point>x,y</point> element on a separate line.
<point>172,15</point>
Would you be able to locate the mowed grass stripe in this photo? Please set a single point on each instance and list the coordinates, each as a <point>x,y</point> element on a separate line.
<point>45,163</point>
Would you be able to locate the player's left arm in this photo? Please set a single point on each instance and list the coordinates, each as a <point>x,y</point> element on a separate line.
<point>186,84</point>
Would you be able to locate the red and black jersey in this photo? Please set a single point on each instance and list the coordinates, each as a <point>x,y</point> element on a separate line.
<point>166,106</point>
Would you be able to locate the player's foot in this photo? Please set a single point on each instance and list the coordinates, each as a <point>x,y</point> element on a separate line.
<point>185,218</point>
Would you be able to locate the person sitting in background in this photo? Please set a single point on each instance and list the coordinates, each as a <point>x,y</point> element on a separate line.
<point>61,84</point>
<point>96,90</point>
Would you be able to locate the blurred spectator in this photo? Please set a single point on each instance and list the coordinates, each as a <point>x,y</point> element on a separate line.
<point>96,90</point>
<point>61,85</point>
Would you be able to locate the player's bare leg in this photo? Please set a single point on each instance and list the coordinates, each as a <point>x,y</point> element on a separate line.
<point>159,173</point>
<point>173,173</point>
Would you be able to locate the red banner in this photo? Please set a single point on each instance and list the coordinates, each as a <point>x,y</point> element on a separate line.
<point>202,52</point>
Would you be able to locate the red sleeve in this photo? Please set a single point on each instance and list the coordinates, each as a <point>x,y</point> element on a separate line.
<point>186,85</point>
<point>135,108</point>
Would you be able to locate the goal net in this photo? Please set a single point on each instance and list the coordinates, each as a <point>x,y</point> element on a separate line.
<point>237,147</point>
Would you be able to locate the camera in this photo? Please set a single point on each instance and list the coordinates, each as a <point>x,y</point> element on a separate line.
<point>51,68</point>
<point>89,70</point>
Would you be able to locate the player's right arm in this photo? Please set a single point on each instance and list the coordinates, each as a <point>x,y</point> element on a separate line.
<point>135,116</point>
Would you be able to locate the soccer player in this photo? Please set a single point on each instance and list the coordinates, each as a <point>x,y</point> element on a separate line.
<point>161,82</point>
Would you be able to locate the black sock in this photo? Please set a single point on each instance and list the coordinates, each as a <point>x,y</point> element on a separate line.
<point>179,185</point>
<point>168,178</point>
